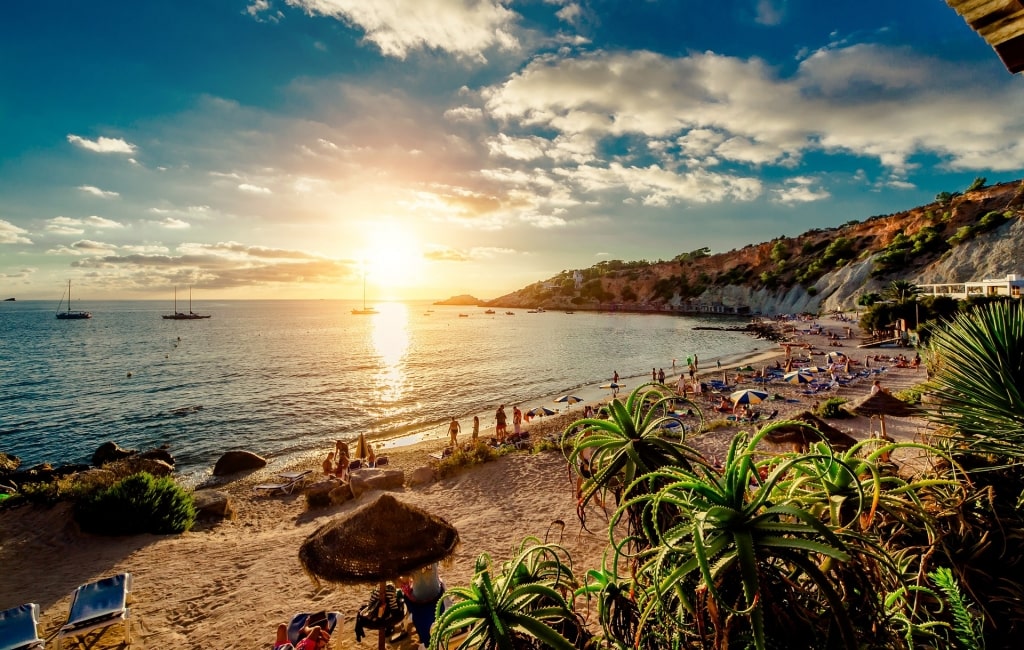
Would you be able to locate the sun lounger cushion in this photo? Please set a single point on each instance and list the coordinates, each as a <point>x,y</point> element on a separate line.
<point>19,628</point>
<point>97,606</point>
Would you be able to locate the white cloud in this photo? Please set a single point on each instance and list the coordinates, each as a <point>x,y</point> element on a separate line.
<point>72,226</point>
<point>888,104</point>
<point>95,191</point>
<point>102,144</point>
<point>174,224</point>
<point>65,226</point>
<point>11,234</point>
<point>528,148</point>
<point>398,27</point>
<point>263,12</point>
<point>799,190</point>
<point>254,189</point>
<point>464,114</point>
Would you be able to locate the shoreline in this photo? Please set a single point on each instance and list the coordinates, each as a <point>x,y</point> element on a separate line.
<point>229,584</point>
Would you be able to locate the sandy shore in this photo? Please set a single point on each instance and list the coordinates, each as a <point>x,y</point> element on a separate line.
<point>229,585</point>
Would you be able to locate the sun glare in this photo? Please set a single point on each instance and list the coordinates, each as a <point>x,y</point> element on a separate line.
<point>393,258</point>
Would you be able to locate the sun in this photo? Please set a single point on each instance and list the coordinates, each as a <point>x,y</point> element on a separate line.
<point>393,258</point>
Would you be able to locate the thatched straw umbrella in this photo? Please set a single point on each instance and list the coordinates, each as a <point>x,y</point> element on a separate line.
<point>880,405</point>
<point>798,432</point>
<point>377,542</point>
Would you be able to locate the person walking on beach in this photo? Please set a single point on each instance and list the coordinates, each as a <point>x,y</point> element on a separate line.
<point>615,376</point>
<point>476,428</point>
<point>661,375</point>
<point>681,385</point>
<point>517,420</point>
<point>654,374</point>
<point>500,428</point>
<point>454,429</point>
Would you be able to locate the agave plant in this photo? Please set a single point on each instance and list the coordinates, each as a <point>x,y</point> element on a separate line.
<point>629,444</point>
<point>523,606</point>
<point>978,375</point>
<point>744,560</point>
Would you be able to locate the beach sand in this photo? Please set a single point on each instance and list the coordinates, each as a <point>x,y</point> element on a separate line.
<point>228,585</point>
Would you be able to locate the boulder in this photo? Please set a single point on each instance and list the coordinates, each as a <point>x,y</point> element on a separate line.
<point>372,478</point>
<point>422,476</point>
<point>318,495</point>
<point>213,504</point>
<point>160,453</point>
<point>136,464</point>
<point>108,452</point>
<point>341,494</point>
<point>8,463</point>
<point>238,461</point>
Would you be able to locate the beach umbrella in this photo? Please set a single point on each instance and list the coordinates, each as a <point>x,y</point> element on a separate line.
<point>748,396</point>
<point>377,542</point>
<point>569,399</point>
<point>798,377</point>
<point>362,450</point>
<point>540,412</point>
<point>797,432</point>
<point>880,405</point>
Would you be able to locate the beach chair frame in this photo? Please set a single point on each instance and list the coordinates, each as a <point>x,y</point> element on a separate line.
<point>290,481</point>
<point>97,606</point>
<point>19,628</point>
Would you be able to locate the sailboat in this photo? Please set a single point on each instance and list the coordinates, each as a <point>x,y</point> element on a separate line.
<point>68,314</point>
<point>177,315</point>
<point>365,311</point>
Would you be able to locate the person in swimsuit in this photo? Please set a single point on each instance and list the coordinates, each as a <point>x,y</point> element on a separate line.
<point>454,429</point>
<point>517,420</point>
<point>476,428</point>
<point>500,419</point>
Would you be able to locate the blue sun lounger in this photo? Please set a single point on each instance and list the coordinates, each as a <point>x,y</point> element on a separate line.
<point>98,606</point>
<point>19,628</point>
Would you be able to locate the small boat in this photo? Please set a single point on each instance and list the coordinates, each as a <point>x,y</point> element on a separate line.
<point>177,315</point>
<point>489,311</point>
<point>68,314</point>
<point>570,312</point>
<point>365,311</point>
<point>510,313</point>
<point>463,315</point>
<point>531,311</point>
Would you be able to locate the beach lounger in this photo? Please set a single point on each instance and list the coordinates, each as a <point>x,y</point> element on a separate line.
<point>19,628</point>
<point>288,483</point>
<point>97,606</point>
<point>327,621</point>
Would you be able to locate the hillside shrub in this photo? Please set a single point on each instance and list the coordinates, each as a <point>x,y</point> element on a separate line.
<point>137,504</point>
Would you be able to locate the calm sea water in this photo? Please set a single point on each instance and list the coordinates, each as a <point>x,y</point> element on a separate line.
<point>282,378</point>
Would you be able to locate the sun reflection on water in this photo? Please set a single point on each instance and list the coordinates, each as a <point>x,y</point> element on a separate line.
<point>390,337</point>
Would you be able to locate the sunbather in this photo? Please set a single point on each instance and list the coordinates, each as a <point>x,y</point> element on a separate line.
<point>313,638</point>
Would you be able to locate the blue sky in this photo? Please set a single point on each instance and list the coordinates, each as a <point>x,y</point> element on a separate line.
<point>282,148</point>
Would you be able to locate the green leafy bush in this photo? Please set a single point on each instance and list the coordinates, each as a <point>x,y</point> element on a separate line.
<point>137,504</point>
<point>832,408</point>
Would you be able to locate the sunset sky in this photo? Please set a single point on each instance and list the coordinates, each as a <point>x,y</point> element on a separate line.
<point>276,148</point>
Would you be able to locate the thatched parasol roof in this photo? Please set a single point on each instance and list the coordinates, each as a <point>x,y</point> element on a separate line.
<point>800,434</point>
<point>378,541</point>
<point>1000,23</point>
<point>882,403</point>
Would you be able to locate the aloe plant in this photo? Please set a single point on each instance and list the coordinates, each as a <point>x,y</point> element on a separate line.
<point>523,606</point>
<point>629,444</point>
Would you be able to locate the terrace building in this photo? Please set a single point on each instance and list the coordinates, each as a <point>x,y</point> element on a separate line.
<point>1011,286</point>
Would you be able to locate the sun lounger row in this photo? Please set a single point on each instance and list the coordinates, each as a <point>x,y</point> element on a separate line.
<point>95,607</point>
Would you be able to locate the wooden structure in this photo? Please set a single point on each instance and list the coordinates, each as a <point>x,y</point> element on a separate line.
<point>1000,23</point>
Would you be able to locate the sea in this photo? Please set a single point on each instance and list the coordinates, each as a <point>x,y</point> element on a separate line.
<point>285,378</point>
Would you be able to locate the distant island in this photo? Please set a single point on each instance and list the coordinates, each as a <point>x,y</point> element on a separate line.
<point>9,299</point>
<point>461,301</point>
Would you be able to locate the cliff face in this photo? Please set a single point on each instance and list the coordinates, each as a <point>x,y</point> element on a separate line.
<point>976,235</point>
